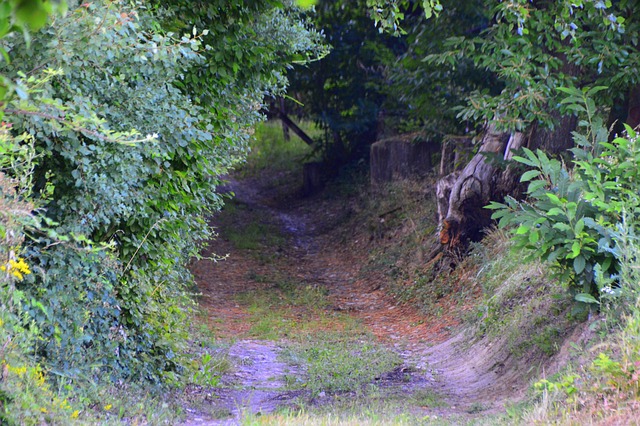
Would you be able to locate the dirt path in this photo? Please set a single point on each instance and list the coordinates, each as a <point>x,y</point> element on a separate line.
<point>472,379</point>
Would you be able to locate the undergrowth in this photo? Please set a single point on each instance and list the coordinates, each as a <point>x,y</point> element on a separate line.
<point>520,301</point>
<point>602,385</point>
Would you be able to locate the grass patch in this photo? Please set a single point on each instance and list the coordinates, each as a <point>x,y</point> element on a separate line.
<point>356,413</point>
<point>291,310</point>
<point>339,362</point>
<point>428,398</point>
<point>247,234</point>
<point>283,295</point>
<point>369,411</point>
<point>269,149</point>
<point>272,322</point>
<point>254,236</point>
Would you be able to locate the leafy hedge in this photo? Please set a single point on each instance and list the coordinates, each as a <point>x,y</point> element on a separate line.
<point>130,140</point>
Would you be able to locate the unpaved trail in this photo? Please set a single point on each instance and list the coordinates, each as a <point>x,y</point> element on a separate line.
<point>473,378</point>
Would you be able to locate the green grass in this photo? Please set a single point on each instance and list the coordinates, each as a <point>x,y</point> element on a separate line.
<point>341,361</point>
<point>428,398</point>
<point>336,355</point>
<point>270,151</point>
<point>290,309</point>
<point>372,410</point>
<point>249,234</point>
<point>284,294</point>
<point>254,236</point>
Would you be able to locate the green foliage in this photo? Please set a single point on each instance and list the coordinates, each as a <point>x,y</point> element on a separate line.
<point>207,373</point>
<point>427,95</point>
<point>572,216</point>
<point>345,92</point>
<point>120,213</point>
<point>612,375</point>
<point>533,49</point>
<point>565,385</point>
<point>25,395</point>
<point>388,14</point>
<point>523,51</point>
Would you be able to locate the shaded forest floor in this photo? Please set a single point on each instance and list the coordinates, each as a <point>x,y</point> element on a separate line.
<point>306,330</point>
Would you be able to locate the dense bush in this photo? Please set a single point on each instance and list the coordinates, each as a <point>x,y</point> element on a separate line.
<point>129,147</point>
<point>573,214</point>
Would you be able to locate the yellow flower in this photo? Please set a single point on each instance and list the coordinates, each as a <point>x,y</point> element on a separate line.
<point>108,407</point>
<point>43,410</point>
<point>75,414</point>
<point>19,371</point>
<point>17,268</point>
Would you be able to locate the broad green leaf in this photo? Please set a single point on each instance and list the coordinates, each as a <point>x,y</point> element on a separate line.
<point>570,91</point>
<point>586,298</point>
<point>536,185</point>
<point>525,161</point>
<point>578,264</point>
<point>531,174</point>
<point>493,205</point>
<point>554,199</point>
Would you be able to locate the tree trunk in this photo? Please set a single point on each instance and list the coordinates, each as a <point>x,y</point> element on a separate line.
<point>462,195</point>
<point>633,115</point>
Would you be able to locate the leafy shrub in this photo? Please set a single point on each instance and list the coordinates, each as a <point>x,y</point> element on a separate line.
<point>124,212</point>
<point>25,396</point>
<point>571,215</point>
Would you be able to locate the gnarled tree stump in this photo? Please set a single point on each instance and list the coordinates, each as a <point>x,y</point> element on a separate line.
<point>463,194</point>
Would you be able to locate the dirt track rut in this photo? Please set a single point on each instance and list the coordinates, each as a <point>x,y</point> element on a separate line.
<point>466,374</point>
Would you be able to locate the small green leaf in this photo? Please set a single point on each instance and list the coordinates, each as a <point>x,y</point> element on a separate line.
<point>525,161</point>
<point>554,198</point>
<point>555,211</point>
<point>305,3</point>
<point>531,174</point>
<point>575,249</point>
